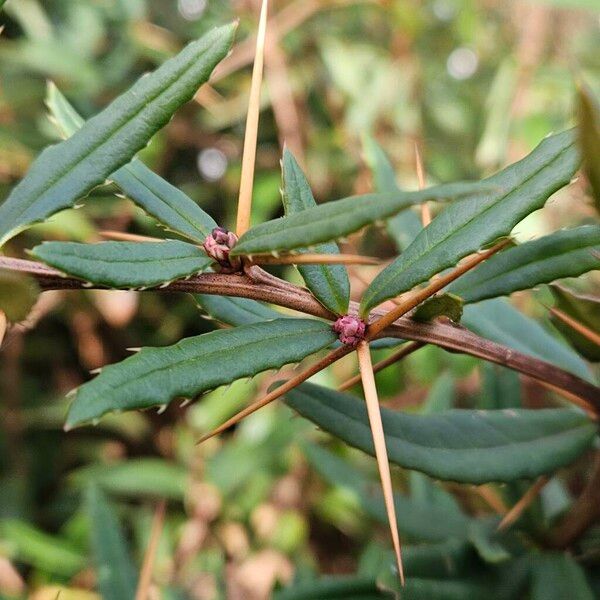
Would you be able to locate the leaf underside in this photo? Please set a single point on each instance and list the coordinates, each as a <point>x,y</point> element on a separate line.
<point>125,264</point>
<point>68,171</point>
<point>329,283</point>
<point>154,376</point>
<point>567,253</point>
<point>468,225</point>
<point>468,446</point>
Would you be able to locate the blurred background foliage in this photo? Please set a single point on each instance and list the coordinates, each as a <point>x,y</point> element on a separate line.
<point>474,84</point>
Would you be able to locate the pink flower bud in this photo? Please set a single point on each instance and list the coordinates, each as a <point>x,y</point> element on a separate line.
<point>351,329</point>
<point>218,246</point>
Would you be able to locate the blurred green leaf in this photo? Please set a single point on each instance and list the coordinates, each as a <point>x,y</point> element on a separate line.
<point>125,264</point>
<point>566,253</point>
<point>18,294</point>
<point>499,321</point>
<point>236,311</point>
<point>589,138</point>
<point>468,225</point>
<point>154,376</point>
<point>330,588</point>
<point>558,576</point>
<point>329,283</point>
<point>442,305</point>
<point>457,445</point>
<point>71,169</point>
<point>585,310</point>
<point>501,388</point>
<point>115,571</point>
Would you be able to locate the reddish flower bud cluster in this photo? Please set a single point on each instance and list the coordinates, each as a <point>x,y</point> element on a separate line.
<point>218,246</point>
<point>351,329</point>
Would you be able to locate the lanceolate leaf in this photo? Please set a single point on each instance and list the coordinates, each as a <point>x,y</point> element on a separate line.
<point>169,205</point>
<point>589,139</point>
<point>339,218</point>
<point>116,575</point>
<point>236,311</point>
<point>567,253</point>
<point>329,283</point>
<point>154,376</point>
<point>499,321</point>
<point>583,309</point>
<point>459,445</point>
<point>125,264</point>
<point>406,225</point>
<point>69,170</point>
<point>467,226</point>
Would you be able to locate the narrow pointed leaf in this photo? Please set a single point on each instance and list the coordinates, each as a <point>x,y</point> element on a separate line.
<point>589,139</point>
<point>163,201</point>
<point>499,321</point>
<point>70,170</point>
<point>458,445</point>
<point>125,264</point>
<point>567,253</point>
<point>329,283</point>
<point>116,574</point>
<point>333,220</point>
<point>406,225</point>
<point>586,311</point>
<point>468,225</point>
<point>154,376</point>
<point>236,311</point>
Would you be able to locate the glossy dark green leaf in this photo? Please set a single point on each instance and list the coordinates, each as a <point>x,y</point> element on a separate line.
<point>459,445</point>
<point>116,574</point>
<point>567,253</point>
<point>334,220</point>
<point>406,225</point>
<point>18,294</point>
<point>499,321</point>
<point>125,264</point>
<point>70,170</point>
<point>589,138</point>
<point>586,311</point>
<point>166,203</point>
<point>235,311</point>
<point>468,225</point>
<point>329,283</point>
<point>558,576</point>
<point>154,376</point>
<point>442,305</point>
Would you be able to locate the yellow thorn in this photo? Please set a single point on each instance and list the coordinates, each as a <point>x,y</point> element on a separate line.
<point>145,580</point>
<point>425,210</point>
<point>249,155</point>
<point>580,328</point>
<point>372,401</point>
<point>122,236</point>
<point>517,510</point>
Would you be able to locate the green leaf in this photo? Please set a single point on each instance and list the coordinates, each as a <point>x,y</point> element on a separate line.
<point>136,478</point>
<point>442,305</point>
<point>166,203</point>
<point>499,321</point>
<point>567,253</point>
<point>125,264</point>
<point>329,283</point>
<point>115,572</point>
<point>589,138</point>
<point>558,576</point>
<point>18,294</point>
<point>585,310</point>
<point>459,445</point>
<point>420,521</point>
<point>235,311</point>
<point>71,169</point>
<point>500,388</point>
<point>348,587</point>
<point>406,225</point>
<point>468,225</point>
<point>154,376</point>
<point>45,552</point>
<point>339,218</point>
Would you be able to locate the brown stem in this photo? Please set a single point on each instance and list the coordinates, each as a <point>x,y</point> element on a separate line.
<point>451,337</point>
<point>583,513</point>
